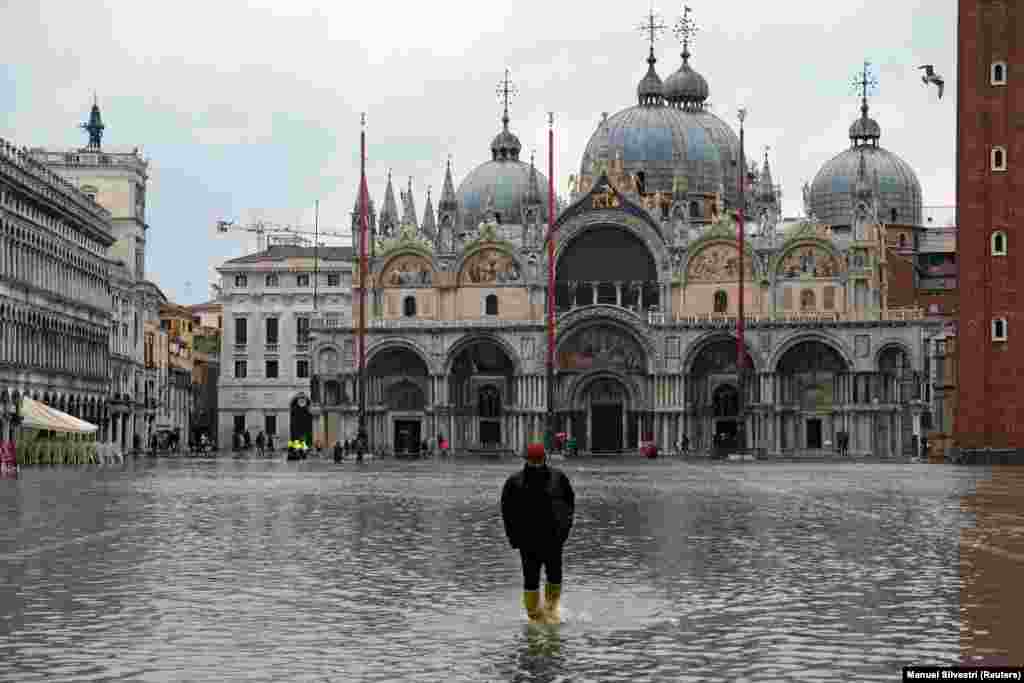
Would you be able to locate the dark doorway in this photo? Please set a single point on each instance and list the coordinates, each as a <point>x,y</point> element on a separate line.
<point>813,433</point>
<point>727,434</point>
<point>607,427</point>
<point>407,436</point>
<point>490,432</point>
<point>302,421</point>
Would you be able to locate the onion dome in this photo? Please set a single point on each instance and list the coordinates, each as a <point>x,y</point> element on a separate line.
<point>686,89</point>
<point>505,144</point>
<point>833,190</point>
<point>649,90</point>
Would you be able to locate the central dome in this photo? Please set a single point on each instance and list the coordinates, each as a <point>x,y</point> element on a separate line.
<point>680,139</point>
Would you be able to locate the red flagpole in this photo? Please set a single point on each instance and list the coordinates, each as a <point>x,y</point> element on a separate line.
<point>551,280</point>
<point>363,267</point>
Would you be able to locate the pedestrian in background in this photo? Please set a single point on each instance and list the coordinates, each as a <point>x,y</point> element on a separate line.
<point>537,507</point>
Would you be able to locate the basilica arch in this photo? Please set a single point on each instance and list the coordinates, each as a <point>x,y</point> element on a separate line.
<point>481,388</point>
<point>716,392</point>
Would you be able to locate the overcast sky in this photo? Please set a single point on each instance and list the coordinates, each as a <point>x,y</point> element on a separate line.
<point>250,106</point>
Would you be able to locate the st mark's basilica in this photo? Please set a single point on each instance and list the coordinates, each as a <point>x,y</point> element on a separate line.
<point>647,284</point>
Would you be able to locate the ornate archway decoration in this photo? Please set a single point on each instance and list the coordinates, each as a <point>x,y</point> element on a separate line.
<point>889,345</point>
<point>702,344</point>
<point>390,343</point>
<point>648,235</point>
<point>409,268</point>
<point>825,338</point>
<point>600,343</point>
<point>471,338</point>
<point>717,260</point>
<point>581,385</point>
<point>808,257</point>
<point>487,264</point>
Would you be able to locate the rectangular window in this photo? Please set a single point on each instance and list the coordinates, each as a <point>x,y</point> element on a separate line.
<point>302,368</point>
<point>241,281</point>
<point>241,369</point>
<point>241,331</point>
<point>270,425</point>
<point>787,299</point>
<point>829,300</point>
<point>271,330</point>
<point>239,423</point>
<point>302,324</point>
<point>333,279</point>
<point>271,369</point>
<point>303,280</point>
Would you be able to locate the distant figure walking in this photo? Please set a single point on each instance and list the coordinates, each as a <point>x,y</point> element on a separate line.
<point>261,441</point>
<point>537,507</point>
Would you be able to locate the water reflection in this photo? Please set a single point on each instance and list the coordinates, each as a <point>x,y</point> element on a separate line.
<point>269,571</point>
<point>991,563</point>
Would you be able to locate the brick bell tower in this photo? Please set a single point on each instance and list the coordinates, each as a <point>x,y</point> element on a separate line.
<point>990,220</point>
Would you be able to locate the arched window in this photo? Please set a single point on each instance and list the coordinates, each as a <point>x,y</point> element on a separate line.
<point>998,158</point>
<point>807,300</point>
<point>999,243</point>
<point>894,215</point>
<point>999,331</point>
<point>721,302</point>
<point>694,210</point>
<point>491,304</point>
<point>272,280</point>
<point>409,306</point>
<point>998,73</point>
<point>902,239</point>
<point>489,402</point>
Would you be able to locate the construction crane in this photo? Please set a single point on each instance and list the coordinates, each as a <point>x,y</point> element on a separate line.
<point>266,231</point>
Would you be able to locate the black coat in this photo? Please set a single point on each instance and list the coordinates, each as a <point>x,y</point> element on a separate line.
<point>537,506</point>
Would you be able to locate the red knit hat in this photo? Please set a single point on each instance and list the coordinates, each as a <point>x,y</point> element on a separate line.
<point>535,453</point>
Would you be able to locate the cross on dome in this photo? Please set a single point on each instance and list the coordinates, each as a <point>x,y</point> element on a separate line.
<point>685,31</point>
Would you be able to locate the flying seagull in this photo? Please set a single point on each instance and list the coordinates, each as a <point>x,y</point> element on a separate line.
<point>931,77</point>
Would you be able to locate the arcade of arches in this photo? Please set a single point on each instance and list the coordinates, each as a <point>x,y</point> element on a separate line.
<point>608,400</point>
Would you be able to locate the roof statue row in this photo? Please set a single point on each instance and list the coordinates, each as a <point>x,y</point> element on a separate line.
<point>670,152</point>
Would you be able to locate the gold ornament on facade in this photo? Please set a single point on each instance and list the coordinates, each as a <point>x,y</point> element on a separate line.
<point>407,271</point>
<point>605,200</point>
<point>719,263</point>
<point>490,266</point>
<point>809,261</point>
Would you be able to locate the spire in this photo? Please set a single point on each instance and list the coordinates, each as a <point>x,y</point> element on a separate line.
<point>766,188</point>
<point>409,207</point>
<point>649,90</point>
<point>533,188</point>
<point>505,144</point>
<point>95,126</point>
<point>685,30</point>
<point>429,229</point>
<point>865,130</point>
<point>448,202</point>
<point>389,213</point>
<point>371,221</point>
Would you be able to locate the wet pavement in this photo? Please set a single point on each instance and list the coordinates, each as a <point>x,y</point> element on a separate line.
<point>263,570</point>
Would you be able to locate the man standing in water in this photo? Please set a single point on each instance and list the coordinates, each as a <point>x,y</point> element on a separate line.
<point>537,506</point>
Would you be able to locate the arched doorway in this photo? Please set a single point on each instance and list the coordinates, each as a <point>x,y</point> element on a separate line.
<point>479,387</point>
<point>713,392</point>
<point>406,402</point>
<point>399,380</point>
<point>301,419</point>
<point>808,374</point>
<point>725,407</point>
<point>606,417</point>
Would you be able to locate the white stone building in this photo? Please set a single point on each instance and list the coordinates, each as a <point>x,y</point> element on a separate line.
<point>269,300</point>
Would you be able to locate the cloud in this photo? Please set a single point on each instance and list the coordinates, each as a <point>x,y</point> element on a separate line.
<point>249,104</point>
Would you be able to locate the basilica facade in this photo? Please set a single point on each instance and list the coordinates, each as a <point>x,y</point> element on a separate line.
<point>648,269</point>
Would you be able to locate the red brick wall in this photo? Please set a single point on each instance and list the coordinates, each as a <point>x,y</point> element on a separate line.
<point>991,378</point>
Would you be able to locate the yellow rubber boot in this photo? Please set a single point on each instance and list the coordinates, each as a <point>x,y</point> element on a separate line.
<point>552,598</point>
<point>531,601</point>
